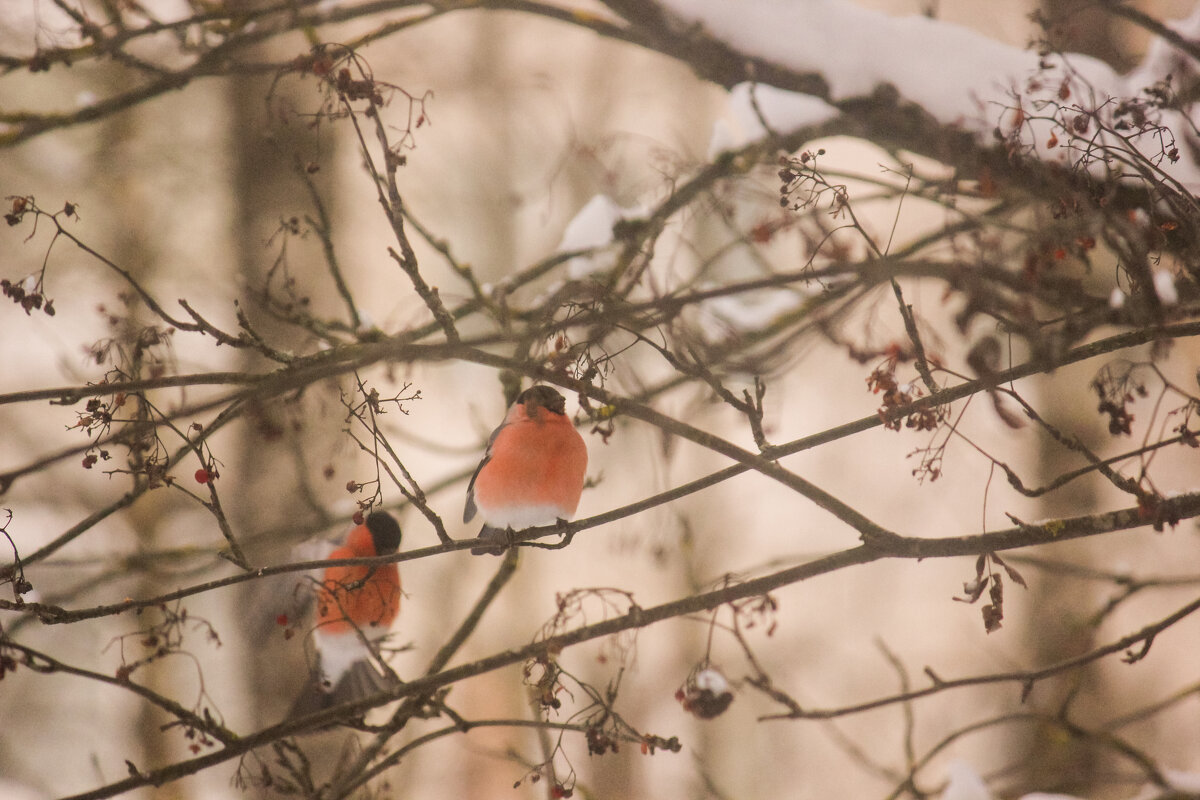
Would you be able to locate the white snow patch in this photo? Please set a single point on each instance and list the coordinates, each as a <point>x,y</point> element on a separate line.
<point>782,110</point>
<point>965,783</point>
<point>722,139</point>
<point>592,229</point>
<point>1177,780</point>
<point>751,311</point>
<point>1163,58</point>
<point>940,65</point>
<point>1164,287</point>
<point>961,77</point>
<point>712,680</point>
<point>366,322</point>
<point>1183,781</point>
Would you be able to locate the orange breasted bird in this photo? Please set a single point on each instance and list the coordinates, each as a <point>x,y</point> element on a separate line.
<point>532,473</point>
<point>355,609</point>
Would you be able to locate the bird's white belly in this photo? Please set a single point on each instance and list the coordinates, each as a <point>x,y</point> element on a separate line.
<point>520,517</point>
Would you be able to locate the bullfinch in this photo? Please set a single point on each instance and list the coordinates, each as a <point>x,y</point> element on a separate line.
<point>532,473</point>
<point>355,609</point>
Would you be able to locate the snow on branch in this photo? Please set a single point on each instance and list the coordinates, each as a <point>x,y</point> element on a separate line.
<point>964,80</point>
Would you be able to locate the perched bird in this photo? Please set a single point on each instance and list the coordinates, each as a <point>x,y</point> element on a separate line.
<point>355,609</point>
<point>532,473</point>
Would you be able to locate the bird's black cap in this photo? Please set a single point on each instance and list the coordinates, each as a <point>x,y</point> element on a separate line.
<point>542,397</point>
<point>385,532</point>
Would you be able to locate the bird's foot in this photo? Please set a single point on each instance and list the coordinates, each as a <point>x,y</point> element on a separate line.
<point>493,541</point>
<point>567,535</point>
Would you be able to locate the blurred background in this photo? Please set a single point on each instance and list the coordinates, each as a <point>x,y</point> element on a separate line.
<point>526,121</point>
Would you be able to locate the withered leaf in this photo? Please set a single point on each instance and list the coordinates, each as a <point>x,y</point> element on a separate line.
<point>992,615</point>
<point>1013,575</point>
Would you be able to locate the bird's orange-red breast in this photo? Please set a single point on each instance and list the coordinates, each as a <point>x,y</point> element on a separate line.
<point>356,606</point>
<point>363,597</point>
<point>533,471</point>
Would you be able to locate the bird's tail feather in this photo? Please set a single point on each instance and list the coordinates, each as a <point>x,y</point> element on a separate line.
<point>360,681</point>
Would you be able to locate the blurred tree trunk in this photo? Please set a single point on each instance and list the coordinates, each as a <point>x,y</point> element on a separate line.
<point>135,246</point>
<point>269,466</point>
<point>1082,26</point>
<point>1058,629</point>
<point>1051,759</point>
